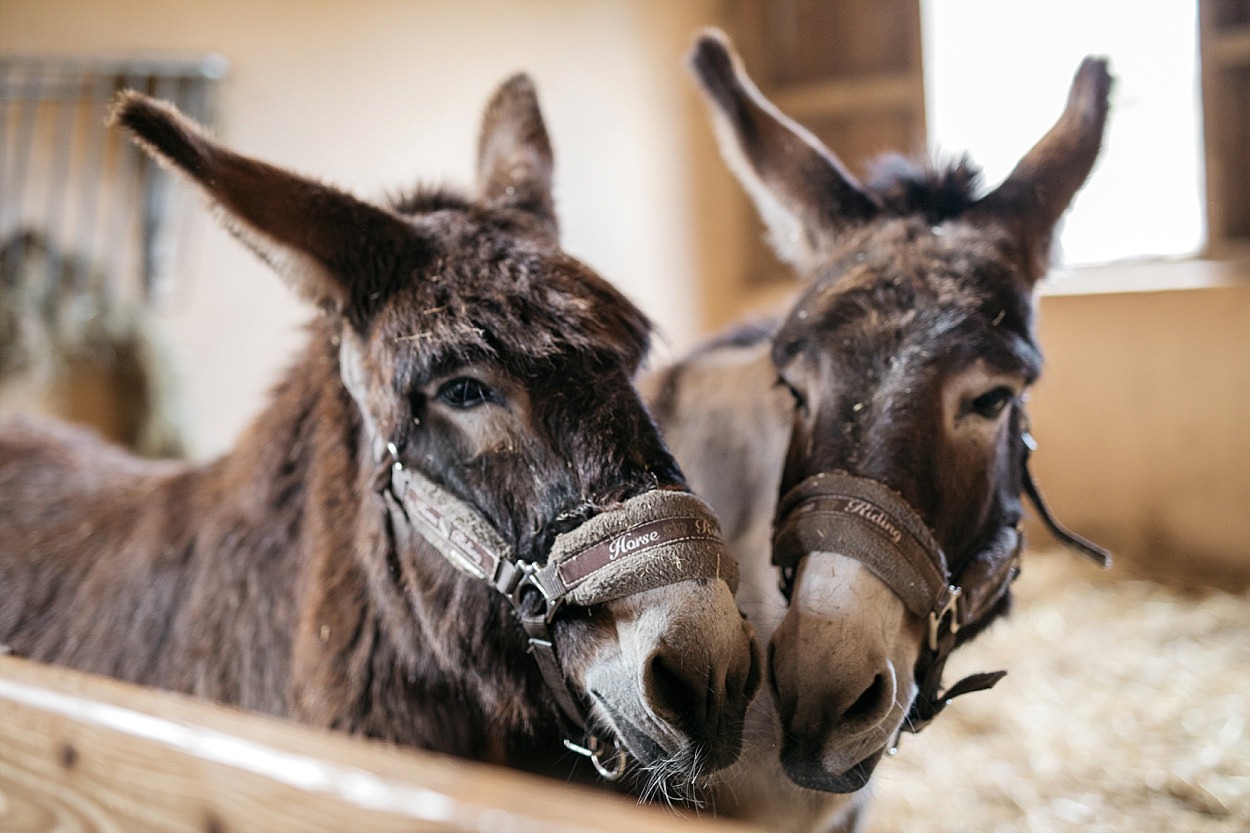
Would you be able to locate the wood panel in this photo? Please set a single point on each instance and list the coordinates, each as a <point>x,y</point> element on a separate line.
<point>83,753</point>
<point>1225,52</point>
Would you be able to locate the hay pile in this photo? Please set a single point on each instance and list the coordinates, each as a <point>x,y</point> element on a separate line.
<point>73,344</point>
<point>1127,708</point>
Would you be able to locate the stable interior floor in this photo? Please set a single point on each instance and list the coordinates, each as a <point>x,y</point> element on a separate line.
<point>1126,708</point>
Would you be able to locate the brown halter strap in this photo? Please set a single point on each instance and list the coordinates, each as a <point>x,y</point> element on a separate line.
<point>931,700</point>
<point>651,540</point>
<point>1071,540</point>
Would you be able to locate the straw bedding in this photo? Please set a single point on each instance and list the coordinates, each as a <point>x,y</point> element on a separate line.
<point>1127,708</point>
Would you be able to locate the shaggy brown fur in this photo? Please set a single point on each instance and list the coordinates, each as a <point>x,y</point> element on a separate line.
<point>455,329</point>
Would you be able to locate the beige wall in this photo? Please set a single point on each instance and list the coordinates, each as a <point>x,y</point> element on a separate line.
<point>1143,421</point>
<point>375,94</point>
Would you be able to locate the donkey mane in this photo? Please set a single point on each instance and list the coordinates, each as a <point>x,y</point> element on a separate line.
<point>425,197</point>
<point>934,189</point>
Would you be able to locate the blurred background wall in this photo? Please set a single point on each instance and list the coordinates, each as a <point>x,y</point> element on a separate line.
<point>375,96</point>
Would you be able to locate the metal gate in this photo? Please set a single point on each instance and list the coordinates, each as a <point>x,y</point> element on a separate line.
<point>84,191</point>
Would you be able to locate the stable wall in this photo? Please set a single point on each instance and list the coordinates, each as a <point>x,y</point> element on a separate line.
<point>375,96</point>
<point>1143,415</point>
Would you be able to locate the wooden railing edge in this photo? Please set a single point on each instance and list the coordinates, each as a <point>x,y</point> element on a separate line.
<point>79,751</point>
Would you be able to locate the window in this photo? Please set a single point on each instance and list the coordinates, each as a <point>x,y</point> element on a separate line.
<point>1225,51</point>
<point>993,91</point>
<point>990,77</point>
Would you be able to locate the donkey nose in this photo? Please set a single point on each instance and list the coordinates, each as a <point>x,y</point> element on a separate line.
<point>835,733</point>
<point>704,698</point>
<point>841,660</point>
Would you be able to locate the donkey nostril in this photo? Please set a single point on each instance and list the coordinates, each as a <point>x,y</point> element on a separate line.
<point>673,697</point>
<point>755,673</point>
<point>869,703</point>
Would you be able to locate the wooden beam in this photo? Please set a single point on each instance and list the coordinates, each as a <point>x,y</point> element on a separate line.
<point>1229,48</point>
<point>886,91</point>
<point>85,753</point>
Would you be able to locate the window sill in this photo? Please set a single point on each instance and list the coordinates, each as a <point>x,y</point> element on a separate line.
<point>1148,276</point>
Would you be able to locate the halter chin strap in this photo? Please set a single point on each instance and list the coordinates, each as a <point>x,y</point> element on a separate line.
<point>866,520</point>
<point>658,538</point>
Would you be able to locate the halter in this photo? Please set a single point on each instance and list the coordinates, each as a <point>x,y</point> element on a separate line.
<point>654,539</point>
<point>866,520</point>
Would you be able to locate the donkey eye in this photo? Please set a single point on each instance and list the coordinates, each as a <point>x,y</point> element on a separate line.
<point>990,405</point>
<point>800,401</point>
<point>465,392</point>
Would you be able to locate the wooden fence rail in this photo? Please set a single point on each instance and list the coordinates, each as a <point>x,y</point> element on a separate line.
<point>84,754</point>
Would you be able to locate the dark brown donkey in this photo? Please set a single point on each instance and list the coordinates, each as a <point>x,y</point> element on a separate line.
<point>873,441</point>
<point>456,474</point>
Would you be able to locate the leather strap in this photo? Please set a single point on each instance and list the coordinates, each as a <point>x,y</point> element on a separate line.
<point>1069,539</point>
<point>983,584</point>
<point>652,540</point>
<point>865,519</point>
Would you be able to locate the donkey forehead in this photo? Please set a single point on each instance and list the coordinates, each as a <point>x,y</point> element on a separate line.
<point>909,297</point>
<point>482,293</point>
<point>955,262</point>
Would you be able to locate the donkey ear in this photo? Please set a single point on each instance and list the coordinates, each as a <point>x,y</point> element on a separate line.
<point>799,187</point>
<point>1040,188</point>
<point>307,231</point>
<point>514,159</point>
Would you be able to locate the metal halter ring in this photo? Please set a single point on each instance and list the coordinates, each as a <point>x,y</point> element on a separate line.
<point>594,750</point>
<point>785,581</point>
<point>937,617</point>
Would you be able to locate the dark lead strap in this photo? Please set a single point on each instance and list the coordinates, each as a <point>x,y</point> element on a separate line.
<point>1064,536</point>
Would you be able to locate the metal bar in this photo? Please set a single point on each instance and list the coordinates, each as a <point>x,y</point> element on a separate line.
<point>60,182</point>
<point>27,122</point>
<point>96,143</point>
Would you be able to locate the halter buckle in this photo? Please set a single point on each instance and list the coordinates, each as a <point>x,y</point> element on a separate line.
<point>936,618</point>
<point>513,578</point>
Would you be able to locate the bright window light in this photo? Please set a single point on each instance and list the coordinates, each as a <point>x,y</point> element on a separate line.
<point>997,73</point>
